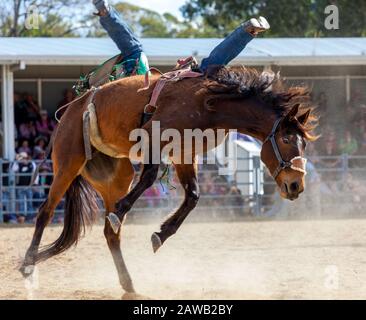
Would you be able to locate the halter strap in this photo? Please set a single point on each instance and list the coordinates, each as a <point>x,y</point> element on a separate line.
<point>297,163</point>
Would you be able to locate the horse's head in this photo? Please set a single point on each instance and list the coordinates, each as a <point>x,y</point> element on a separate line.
<point>262,105</point>
<point>283,152</point>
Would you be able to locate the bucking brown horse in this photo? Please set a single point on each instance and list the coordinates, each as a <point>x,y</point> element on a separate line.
<point>253,103</point>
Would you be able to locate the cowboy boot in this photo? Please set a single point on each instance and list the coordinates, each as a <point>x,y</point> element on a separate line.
<point>102,6</point>
<point>255,26</point>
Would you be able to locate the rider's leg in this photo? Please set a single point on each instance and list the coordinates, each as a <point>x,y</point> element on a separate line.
<point>123,37</point>
<point>235,43</point>
<point>117,29</point>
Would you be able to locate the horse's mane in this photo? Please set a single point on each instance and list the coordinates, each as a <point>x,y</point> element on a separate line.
<point>239,82</point>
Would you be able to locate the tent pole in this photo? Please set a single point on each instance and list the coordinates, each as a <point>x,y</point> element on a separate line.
<point>7,103</point>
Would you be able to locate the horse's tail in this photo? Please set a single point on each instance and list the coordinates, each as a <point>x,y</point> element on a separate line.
<point>81,209</point>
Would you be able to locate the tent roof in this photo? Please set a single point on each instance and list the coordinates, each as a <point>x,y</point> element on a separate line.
<point>91,51</point>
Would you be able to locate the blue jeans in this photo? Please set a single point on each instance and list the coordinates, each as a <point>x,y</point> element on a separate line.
<point>5,206</point>
<point>228,49</point>
<point>121,34</point>
<point>131,47</point>
<point>25,200</point>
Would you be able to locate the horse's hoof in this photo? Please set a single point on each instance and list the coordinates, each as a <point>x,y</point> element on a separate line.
<point>114,221</point>
<point>26,270</point>
<point>156,241</point>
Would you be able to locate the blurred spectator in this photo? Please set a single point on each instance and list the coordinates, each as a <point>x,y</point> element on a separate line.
<point>27,131</point>
<point>39,148</point>
<point>348,144</point>
<point>329,160</point>
<point>9,216</point>
<point>153,196</point>
<point>41,187</point>
<point>20,110</point>
<point>236,199</point>
<point>269,189</point>
<point>208,187</point>
<point>356,190</point>
<point>1,137</point>
<point>330,147</point>
<point>359,128</point>
<point>322,103</point>
<point>220,185</point>
<point>45,125</point>
<point>362,146</point>
<point>33,127</point>
<point>350,114</point>
<point>356,98</point>
<point>21,218</point>
<point>312,153</point>
<point>31,107</point>
<point>24,147</point>
<point>24,168</point>
<point>68,96</point>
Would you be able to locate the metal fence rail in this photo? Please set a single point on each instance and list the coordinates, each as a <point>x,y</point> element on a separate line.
<point>332,181</point>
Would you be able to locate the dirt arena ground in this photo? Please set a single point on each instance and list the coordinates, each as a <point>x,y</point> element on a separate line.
<point>230,260</point>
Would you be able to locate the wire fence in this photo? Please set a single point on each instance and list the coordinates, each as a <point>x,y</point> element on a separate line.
<point>334,184</point>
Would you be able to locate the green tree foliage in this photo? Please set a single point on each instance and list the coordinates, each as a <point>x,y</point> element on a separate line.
<point>147,23</point>
<point>52,26</point>
<point>203,18</point>
<point>288,18</point>
<point>56,18</point>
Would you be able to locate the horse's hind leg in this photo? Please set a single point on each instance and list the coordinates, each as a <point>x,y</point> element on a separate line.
<point>60,184</point>
<point>68,159</point>
<point>112,185</point>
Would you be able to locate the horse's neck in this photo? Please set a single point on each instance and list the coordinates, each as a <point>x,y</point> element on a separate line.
<point>247,118</point>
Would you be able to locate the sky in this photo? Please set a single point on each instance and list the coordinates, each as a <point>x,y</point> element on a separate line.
<point>161,6</point>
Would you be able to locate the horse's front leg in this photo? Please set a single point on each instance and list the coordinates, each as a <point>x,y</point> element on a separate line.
<point>187,174</point>
<point>147,178</point>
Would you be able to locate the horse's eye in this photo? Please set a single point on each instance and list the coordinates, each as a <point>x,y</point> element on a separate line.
<point>286,140</point>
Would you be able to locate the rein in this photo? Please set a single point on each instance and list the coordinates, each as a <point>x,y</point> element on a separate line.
<point>67,104</point>
<point>297,163</point>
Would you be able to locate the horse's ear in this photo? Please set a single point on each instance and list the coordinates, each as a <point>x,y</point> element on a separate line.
<point>293,112</point>
<point>304,117</point>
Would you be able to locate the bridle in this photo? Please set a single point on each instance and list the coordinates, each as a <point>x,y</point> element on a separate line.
<point>297,163</point>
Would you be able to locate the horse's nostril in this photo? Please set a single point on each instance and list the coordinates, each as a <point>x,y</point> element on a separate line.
<point>294,187</point>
